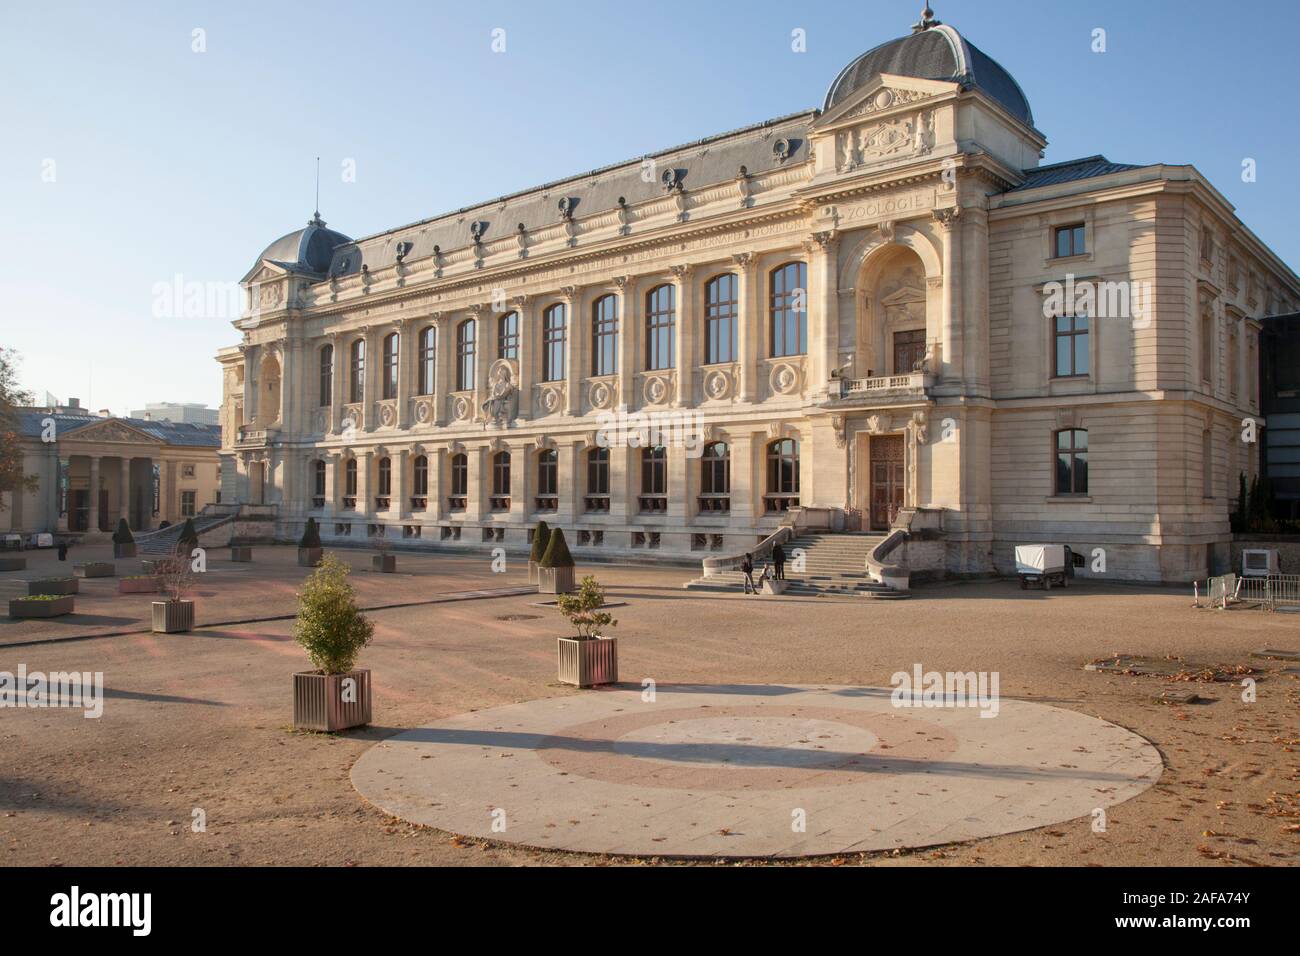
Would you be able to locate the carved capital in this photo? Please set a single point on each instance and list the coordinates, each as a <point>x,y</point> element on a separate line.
<point>947,216</point>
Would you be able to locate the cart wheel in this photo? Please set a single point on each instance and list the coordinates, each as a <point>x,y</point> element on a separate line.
<point>1023,585</point>
<point>1047,584</point>
<point>1065,581</point>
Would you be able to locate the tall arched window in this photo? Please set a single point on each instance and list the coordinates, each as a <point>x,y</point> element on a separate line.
<point>1072,461</point>
<point>389,379</point>
<point>350,484</point>
<point>318,483</point>
<point>597,498</point>
<point>548,480</point>
<point>654,480</point>
<point>465,356</point>
<point>428,359</point>
<point>660,327</point>
<point>604,335</point>
<point>555,321</point>
<point>459,483</point>
<point>357,381</point>
<point>782,475</point>
<point>721,306</point>
<point>508,336</point>
<point>715,478</point>
<point>384,486</point>
<point>326,397</point>
<point>788,302</point>
<point>500,481</point>
<point>420,483</point>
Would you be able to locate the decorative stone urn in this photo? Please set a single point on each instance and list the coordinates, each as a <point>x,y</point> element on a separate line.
<point>241,554</point>
<point>556,580</point>
<point>54,586</point>
<point>384,563</point>
<point>331,702</point>
<point>173,617</point>
<point>95,569</point>
<point>41,606</point>
<point>310,557</point>
<point>587,663</point>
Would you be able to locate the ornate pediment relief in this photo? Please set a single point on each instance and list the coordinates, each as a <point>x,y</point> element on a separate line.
<point>113,431</point>
<point>886,96</point>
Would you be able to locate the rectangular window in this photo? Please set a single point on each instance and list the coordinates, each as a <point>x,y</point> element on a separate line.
<point>187,504</point>
<point>187,471</point>
<point>428,359</point>
<point>604,336</point>
<point>508,336</point>
<point>1069,241</point>
<point>555,334</point>
<point>1072,462</point>
<point>389,384</point>
<point>465,356</point>
<point>1207,345</point>
<point>326,397</point>
<point>597,498</point>
<point>1071,335</point>
<point>909,351</point>
<point>660,319</point>
<point>720,309</point>
<point>788,327</point>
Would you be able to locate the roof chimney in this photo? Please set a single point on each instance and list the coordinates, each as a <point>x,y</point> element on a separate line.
<point>74,403</point>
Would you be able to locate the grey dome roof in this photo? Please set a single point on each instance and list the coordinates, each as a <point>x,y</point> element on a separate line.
<point>934,52</point>
<point>305,250</point>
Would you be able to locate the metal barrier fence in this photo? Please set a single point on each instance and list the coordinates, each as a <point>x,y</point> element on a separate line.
<point>1271,592</point>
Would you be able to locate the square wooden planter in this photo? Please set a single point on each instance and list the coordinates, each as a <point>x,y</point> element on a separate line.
<point>310,557</point>
<point>13,564</point>
<point>241,555</point>
<point>95,569</point>
<point>19,607</point>
<point>323,701</point>
<point>54,586</point>
<point>588,663</point>
<point>384,563</point>
<point>124,550</point>
<point>137,586</point>
<point>532,571</point>
<point>556,580</point>
<point>173,617</point>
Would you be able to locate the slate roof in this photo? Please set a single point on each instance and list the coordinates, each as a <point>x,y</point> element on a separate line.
<point>1087,168</point>
<point>30,425</point>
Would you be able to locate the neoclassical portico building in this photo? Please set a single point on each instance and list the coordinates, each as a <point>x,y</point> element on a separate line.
<point>856,301</point>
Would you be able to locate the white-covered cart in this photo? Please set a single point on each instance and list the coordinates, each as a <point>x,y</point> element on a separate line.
<point>1045,565</point>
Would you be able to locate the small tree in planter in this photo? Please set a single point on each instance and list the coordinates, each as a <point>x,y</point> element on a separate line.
<point>541,538</point>
<point>309,548</point>
<point>174,614</point>
<point>188,541</point>
<point>588,658</point>
<point>384,561</point>
<point>123,540</point>
<point>333,631</point>
<point>555,574</point>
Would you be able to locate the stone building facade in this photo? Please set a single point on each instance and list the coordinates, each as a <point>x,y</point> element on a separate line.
<point>854,310</point>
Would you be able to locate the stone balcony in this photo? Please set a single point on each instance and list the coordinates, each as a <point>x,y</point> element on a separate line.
<point>255,436</point>
<point>882,390</point>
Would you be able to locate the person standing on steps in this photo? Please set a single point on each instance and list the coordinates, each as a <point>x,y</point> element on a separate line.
<point>778,558</point>
<point>747,568</point>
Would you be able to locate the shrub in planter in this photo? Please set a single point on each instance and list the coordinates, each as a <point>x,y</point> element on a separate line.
<point>138,584</point>
<point>309,547</point>
<point>173,577</point>
<point>333,631</point>
<point>385,561</point>
<point>541,538</point>
<point>41,605</point>
<point>588,658</point>
<point>54,586</point>
<point>189,539</point>
<point>123,540</point>
<point>555,574</point>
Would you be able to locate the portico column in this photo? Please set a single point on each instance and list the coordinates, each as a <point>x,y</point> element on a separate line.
<point>94,494</point>
<point>331,482</point>
<point>124,504</point>
<point>629,331</point>
<point>438,484</point>
<point>572,482</point>
<point>576,331</point>
<point>680,501</point>
<point>397,502</point>
<point>521,469</point>
<point>952,349</point>
<point>744,480</point>
<point>475,498</point>
<point>252,384</point>
<point>527,353</point>
<point>748,326</point>
<point>823,317</point>
<point>684,337</point>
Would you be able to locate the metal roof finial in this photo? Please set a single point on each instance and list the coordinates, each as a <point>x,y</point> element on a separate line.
<point>926,22</point>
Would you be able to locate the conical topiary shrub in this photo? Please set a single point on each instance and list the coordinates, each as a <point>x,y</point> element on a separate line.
<point>555,574</point>
<point>189,539</point>
<point>123,540</point>
<point>541,538</point>
<point>309,547</point>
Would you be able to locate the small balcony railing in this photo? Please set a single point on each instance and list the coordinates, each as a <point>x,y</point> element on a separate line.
<point>499,502</point>
<point>596,504</point>
<point>546,503</point>
<point>653,504</point>
<point>456,503</point>
<point>714,504</point>
<point>778,504</point>
<point>420,503</point>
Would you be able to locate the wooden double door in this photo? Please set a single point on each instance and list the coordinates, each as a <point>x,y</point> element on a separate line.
<point>888,475</point>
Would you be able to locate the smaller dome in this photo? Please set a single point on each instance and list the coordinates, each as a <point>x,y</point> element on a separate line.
<point>305,250</point>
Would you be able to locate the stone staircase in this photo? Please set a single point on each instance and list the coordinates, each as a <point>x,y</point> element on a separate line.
<point>164,541</point>
<point>834,565</point>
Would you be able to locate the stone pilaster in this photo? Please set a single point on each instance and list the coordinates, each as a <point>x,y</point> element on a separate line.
<point>685,336</point>
<point>749,325</point>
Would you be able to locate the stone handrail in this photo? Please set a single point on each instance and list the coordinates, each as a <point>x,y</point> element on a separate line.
<point>883,571</point>
<point>715,566</point>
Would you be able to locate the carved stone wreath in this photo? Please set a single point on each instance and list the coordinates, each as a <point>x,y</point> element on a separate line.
<point>321,421</point>
<point>422,412</point>
<point>656,390</point>
<point>601,395</point>
<point>785,379</point>
<point>387,415</point>
<point>717,385</point>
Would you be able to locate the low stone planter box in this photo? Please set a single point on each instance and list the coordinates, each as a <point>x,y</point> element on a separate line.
<point>95,569</point>
<point>588,663</point>
<point>137,586</point>
<point>532,571</point>
<point>124,550</point>
<point>54,586</point>
<point>13,564</point>
<point>149,567</point>
<point>241,555</point>
<point>326,703</point>
<point>556,580</point>
<point>384,563</point>
<point>30,607</point>
<point>173,617</point>
<point>775,587</point>
<point>310,557</point>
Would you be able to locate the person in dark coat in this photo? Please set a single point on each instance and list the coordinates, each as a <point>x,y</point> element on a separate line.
<point>747,568</point>
<point>63,550</point>
<point>778,558</point>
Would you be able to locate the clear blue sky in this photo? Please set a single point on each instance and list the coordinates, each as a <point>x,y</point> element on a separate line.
<point>168,161</point>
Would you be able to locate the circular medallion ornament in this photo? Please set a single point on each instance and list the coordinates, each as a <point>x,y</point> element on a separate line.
<point>601,395</point>
<point>785,379</point>
<point>460,409</point>
<point>551,399</point>
<point>422,412</point>
<point>656,390</point>
<point>387,415</point>
<point>717,385</point>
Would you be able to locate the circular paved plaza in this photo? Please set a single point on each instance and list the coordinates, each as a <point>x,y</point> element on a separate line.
<point>782,771</point>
